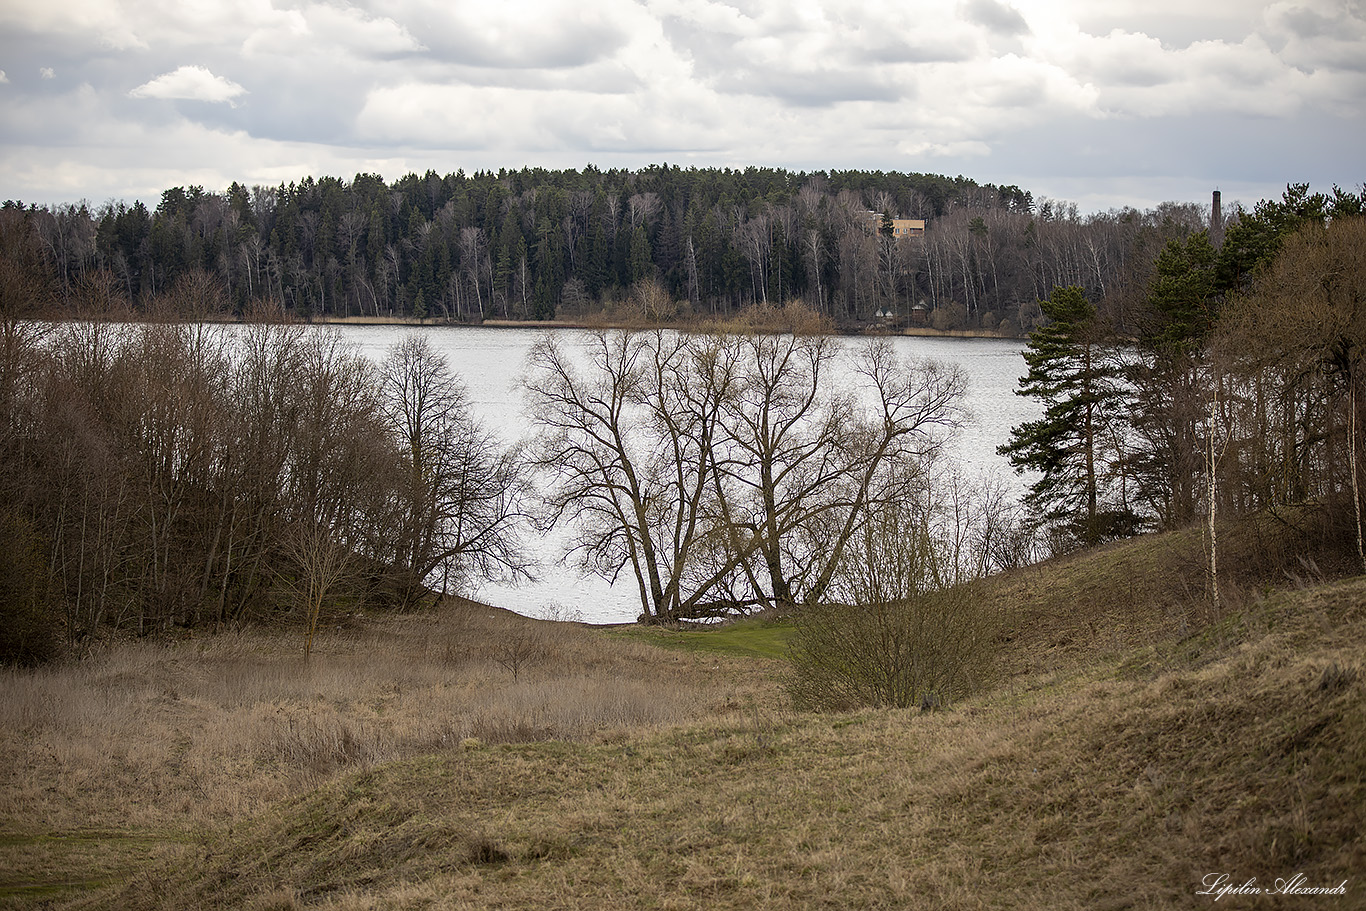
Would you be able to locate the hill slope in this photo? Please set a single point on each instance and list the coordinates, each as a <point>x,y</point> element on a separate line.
<point>1240,751</point>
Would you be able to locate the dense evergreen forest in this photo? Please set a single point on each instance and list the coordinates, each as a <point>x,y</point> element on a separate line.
<point>661,242</point>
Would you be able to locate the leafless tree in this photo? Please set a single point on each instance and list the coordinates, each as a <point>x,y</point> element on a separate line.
<point>321,561</point>
<point>1298,345</point>
<point>627,428</point>
<point>473,254</point>
<point>801,466</point>
<point>462,500</point>
<point>722,469</point>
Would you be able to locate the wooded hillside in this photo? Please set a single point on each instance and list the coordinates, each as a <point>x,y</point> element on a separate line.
<point>535,243</point>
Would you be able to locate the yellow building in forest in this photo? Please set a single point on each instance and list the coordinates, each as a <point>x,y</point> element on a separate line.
<point>901,227</point>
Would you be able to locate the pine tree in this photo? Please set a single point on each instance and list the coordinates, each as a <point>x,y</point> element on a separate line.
<point>1075,379</point>
<point>1170,398</point>
<point>641,261</point>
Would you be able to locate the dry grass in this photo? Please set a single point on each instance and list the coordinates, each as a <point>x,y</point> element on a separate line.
<point>405,768</point>
<point>161,740</point>
<point>1114,791</point>
<point>1106,602</point>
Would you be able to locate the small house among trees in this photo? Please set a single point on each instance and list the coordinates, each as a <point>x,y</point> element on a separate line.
<point>899,227</point>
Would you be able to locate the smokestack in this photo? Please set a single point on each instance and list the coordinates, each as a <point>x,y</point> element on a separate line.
<point>1216,219</point>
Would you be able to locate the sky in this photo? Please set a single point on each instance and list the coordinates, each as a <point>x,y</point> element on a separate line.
<point>1105,103</point>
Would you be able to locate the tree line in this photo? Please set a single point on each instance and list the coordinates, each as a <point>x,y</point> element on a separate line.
<point>159,475</point>
<point>1235,389</point>
<point>167,474</point>
<point>163,472</point>
<point>662,241</point>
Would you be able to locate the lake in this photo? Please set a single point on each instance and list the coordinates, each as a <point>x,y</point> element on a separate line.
<point>491,362</point>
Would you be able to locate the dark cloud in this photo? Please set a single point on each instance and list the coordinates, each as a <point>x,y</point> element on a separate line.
<point>996,17</point>
<point>1193,24</point>
<point>850,72</point>
<point>1306,23</point>
<point>552,45</point>
<point>1210,149</point>
<point>1136,76</point>
<point>711,52</point>
<point>814,89</point>
<point>25,55</point>
<point>896,50</point>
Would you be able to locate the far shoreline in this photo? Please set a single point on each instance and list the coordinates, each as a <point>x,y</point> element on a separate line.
<point>870,331</point>
<point>627,325</point>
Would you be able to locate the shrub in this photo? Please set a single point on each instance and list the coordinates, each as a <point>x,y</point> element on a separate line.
<point>927,650</point>
<point>949,317</point>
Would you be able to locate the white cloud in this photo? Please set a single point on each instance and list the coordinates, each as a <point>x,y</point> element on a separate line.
<point>159,25</point>
<point>47,72</point>
<point>3,78</point>
<point>286,33</point>
<point>190,83</point>
<point>518,33</point>
<point>1315,35</point>
<point>350,28</point>
<point>319,28</point>
<point>466,117</point>
<point>970,86</point>
<point>964,149</point>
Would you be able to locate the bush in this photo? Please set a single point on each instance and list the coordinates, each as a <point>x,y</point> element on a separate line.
<point>927,650</point>
<point>949,317</point>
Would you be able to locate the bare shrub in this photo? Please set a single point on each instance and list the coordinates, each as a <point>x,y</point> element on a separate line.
<point>927,650</point>
<point>949,317</point>
<point>310,739</point>
<point>519,649</point>
<point>911,630</point>
<point>652,301</point>
<point>559,612</point>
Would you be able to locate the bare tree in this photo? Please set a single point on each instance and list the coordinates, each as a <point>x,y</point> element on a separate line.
<point>461,499</point>
<point>627,427</point>
<point>473,255</point>
<point>321,562</point>
<point>722,469</point>
<point>802,466</point>
<point>1302,334</point>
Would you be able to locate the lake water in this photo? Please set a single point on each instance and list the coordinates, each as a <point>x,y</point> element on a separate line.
<point>491,362</point>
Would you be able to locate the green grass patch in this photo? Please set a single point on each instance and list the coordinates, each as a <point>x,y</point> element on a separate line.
<point>47,865</point>
<point>749,638</point>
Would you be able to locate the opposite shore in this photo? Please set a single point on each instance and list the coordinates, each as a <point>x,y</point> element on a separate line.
<point>604,323</point>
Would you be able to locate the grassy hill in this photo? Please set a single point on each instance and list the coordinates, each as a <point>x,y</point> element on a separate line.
<point>1134,744</point>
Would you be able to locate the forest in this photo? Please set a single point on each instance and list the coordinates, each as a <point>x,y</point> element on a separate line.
<point>161,472</point>
<point>660,242</point>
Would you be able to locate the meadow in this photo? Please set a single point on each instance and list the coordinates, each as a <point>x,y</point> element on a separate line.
<point>1132,745</point>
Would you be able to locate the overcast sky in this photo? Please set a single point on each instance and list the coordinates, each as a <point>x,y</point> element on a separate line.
<point>1102,102</point>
